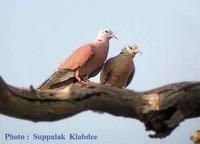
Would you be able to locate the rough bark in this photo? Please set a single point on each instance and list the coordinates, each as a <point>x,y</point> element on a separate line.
<point>161,109</point>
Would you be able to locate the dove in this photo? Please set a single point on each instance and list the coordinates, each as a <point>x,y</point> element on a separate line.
<point>118,71</point>
<point>84,63</point>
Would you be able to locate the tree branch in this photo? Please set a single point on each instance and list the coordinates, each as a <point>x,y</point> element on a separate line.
<point>160,109</point>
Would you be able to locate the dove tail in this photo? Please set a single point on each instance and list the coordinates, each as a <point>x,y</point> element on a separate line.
<point>43,85</point>
<point>58,79</point>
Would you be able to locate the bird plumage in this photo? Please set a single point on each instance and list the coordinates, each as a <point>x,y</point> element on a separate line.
<point>83,63</point>
<point>119,70</point>
<point>58,79</point>
<point>79,57</point>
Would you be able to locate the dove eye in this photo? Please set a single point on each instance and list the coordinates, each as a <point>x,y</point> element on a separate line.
<point>131,48</point>
<point>106,31</point>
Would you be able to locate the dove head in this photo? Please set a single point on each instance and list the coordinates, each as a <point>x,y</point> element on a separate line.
<point>131,49</point>
<point>106,34</point>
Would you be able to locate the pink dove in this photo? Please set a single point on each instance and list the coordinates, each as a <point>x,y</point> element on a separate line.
<point>85,62</point>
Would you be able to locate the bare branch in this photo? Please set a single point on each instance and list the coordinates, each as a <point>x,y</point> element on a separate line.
<point>160,109</point>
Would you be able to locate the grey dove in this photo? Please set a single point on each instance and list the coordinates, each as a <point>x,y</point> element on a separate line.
<point>118,71</point>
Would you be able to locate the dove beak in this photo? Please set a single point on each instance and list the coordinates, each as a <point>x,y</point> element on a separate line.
<point>114,36</point>
<point>139,51</point>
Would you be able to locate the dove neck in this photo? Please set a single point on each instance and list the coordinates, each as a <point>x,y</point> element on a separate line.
<point>127,54</point>
<point>103,40</point>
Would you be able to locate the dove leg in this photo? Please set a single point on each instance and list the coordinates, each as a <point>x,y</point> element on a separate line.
<point>86,78</point>
<point>83,82</point>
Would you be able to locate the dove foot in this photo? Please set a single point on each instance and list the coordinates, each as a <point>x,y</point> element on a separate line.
<point>83,83</point>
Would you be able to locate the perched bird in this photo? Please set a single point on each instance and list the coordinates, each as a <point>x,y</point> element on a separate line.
<point>119,70</point>
<point>85,62</point>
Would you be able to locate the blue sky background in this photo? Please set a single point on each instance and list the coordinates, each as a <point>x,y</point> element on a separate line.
<point>35,36</point>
